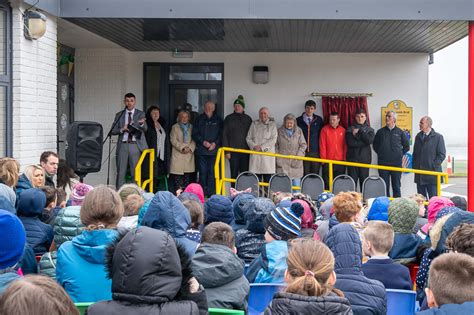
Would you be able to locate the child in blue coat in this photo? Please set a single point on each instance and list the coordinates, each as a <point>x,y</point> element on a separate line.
<point>81,262</point>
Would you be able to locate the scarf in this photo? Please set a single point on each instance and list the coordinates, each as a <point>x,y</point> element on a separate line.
<point>160,142</point>
<point>185,130</point>
<point>289,132</point>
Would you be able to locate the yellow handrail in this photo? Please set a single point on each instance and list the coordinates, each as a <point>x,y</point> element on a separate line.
<point>138,170</point>
<point>221,179</point>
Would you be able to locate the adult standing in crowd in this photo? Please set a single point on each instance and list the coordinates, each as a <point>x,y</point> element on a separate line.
<point>428,154</point>
<point>207,133</point>
<point>332,146</point>
<point>155,136</point>
<point>391,144</point>
<point>359,137</point>
<point>236,128</point>
<point>290,141</point>
<point>262,137</point>
<point>49,162</point>
<point>182,152</point>
<point>129,126</point>
<point>311,125</point>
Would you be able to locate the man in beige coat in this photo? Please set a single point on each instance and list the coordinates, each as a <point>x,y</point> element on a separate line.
<point>262,137</point>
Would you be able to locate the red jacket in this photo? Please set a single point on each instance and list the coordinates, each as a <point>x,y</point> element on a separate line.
<point>332,143</point>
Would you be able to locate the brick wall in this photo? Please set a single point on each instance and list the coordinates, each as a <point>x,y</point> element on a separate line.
<point>34,90</point>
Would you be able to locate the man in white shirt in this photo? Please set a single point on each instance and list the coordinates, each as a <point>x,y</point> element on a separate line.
<point>130,127</point>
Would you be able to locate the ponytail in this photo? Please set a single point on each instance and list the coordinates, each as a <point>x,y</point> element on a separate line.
<point>310,264</point>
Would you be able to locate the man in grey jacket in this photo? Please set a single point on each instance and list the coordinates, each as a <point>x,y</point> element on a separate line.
<point>129,125</point>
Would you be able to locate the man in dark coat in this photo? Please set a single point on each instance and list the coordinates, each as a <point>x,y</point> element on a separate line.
<point>391,144</point>
<point>311,125</point>
<point>236,127</point>
<point>359,137</point>
<point>207,133</point>
<point>428,154</point>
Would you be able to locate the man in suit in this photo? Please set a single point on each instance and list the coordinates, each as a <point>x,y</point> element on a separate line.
<point>130,127</point>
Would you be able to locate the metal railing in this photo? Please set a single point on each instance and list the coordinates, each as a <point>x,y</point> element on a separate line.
<point>138,170</point>
<point>219,168</point>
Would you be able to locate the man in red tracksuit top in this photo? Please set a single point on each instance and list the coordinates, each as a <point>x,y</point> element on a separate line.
<point>332,146</point>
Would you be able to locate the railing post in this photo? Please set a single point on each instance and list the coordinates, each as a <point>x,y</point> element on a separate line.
<point>152,160</point>
<point>223,192</point>
<point>438,179</point>
<point>331,174</point>
<point>216,172</point>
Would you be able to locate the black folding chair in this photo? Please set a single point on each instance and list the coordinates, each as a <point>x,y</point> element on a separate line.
<point>343,183</point>
<point>247,180</point>
<point>279,182</point>
<point>312,185</point>
<point>373,187</point>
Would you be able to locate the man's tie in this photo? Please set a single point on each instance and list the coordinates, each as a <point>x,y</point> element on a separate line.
<point>130,137</point>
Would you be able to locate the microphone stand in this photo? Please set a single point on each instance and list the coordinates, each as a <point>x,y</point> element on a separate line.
<point>109,136</point>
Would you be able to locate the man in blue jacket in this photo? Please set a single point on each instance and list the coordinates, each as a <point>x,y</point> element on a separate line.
<point>207,133</point>
<point>311,125</point>
<point>391,144</point>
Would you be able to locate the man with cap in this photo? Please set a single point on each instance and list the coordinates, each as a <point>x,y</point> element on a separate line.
<point>12,244</point>
<point>236,127</point>
<point>281,224</point>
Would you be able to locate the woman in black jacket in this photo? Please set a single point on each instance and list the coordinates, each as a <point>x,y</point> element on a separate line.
<point>156,138</point>
<point>150,275</point>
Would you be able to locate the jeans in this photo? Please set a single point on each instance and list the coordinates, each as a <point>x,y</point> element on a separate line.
<point>206,173</point>
<point>296,182</point>
<point>396,182</point>
<point>428,191</point>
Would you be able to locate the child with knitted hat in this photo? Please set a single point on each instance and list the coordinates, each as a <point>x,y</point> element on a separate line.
<point>78,194</point>
<point>281,225</point>
<point>402,215</point>
<point>12,244</point>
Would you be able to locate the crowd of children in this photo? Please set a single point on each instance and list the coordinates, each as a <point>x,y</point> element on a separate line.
<point>137,253</point>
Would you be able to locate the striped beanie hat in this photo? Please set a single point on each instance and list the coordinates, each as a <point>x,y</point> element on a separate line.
<point>284,223</point>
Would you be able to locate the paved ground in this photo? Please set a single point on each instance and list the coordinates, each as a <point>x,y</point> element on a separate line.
<point>457,187</point>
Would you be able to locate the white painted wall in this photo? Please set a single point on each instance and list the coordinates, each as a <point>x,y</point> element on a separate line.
<point>34,90</point>
<point>104,75</point>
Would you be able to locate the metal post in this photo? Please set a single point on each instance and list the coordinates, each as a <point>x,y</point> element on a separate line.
<point>470,121</point>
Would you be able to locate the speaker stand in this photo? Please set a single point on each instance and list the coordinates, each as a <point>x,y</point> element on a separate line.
<point>81,176</point>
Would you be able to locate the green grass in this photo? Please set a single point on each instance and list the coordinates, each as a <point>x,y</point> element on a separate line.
<point>460,168</point>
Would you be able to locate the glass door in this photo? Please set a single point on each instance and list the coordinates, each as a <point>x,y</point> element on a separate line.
<point>196,96</point>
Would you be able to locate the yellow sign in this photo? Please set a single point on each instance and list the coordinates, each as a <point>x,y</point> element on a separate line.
<point>404,116</point>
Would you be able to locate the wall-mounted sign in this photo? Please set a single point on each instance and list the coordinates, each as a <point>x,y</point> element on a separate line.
<point>404,116</point>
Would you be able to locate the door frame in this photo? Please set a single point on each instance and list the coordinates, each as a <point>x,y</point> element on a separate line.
<point>166,83</point>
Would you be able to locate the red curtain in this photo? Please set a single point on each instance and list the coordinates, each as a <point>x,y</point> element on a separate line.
<point>346,107</point>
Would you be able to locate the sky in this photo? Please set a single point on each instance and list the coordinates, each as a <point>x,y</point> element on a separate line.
<point>448,95</point>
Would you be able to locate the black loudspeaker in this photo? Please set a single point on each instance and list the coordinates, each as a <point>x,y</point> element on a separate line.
<point>84,146</point>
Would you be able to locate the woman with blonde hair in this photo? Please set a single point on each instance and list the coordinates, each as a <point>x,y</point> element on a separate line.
<point>81,262</point>
<point>32,177</point>
<point>182,152</point>
<point>310,277</point>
